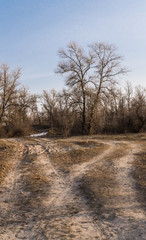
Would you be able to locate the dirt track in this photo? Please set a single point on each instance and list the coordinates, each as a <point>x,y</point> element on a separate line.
<point>98,198</point>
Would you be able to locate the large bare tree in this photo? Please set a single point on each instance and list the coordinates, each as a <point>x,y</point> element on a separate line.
<point>8,85</point>
<point>91,75</point>
<point>75,65</point>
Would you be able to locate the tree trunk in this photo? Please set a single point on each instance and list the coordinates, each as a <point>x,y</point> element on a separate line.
<point>83,116</point>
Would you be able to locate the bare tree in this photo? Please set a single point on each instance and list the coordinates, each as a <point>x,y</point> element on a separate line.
<point>92,74</point>
<point>128,110</point>
<point>139,108</point>
<point>76,65</point>
<point>24,105</point>
<point>67,111</point>
<point>8,85</point>
<point>128,95</point>
<point>49,102</point>
<point>107,67</point>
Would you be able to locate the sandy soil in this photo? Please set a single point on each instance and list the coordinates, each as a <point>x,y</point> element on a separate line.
<point>44,196</point>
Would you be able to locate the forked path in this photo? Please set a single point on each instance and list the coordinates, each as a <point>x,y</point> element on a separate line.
<point>38,201</point>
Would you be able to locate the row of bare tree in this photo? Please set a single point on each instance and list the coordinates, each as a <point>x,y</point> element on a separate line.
<point>118,112</point>
<point>92,102</point>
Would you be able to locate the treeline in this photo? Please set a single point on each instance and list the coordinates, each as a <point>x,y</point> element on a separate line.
<point>91,103</point>
<point>120,112</point>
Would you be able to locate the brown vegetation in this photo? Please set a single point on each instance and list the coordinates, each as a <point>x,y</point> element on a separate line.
<point>76,152</point>
<point>139,175</point>
<point>99,185</point>
<point>6,151</point>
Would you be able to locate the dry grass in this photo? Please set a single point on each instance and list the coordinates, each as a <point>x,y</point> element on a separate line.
<point>34,180</point>
<point>30,139</point>
<point>76,152</point>
<point>6,151</point>
<point>34,184</point>
<point>99,186</point>
<point>139,174</point>
<point>121,137</point>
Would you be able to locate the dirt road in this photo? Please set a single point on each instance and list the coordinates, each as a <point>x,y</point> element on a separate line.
<point>52,193</point>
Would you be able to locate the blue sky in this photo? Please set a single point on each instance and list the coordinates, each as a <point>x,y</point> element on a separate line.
<point>32,32</point>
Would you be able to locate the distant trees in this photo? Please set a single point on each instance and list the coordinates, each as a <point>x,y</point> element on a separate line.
<point>58,114</point>
<point>24,106</point>
<point>15,103</point>
<point>50,108</point>
<point>124,111</point>
<point>137,113</point>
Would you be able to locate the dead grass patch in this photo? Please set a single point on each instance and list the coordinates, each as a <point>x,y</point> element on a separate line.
<point>6,151</point>
<point>33,180</point>
<point>75,143</point>
<point>99,185</point>
<point>98,188</point>
<point>121,137</point>
<point>139,174</point>
<point>121,150</point>
<point>76,154</point>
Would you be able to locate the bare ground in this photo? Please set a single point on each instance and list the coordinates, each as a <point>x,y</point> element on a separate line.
<point>76,188</point>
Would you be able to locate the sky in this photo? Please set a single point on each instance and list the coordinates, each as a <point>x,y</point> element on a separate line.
<point>32,32</point>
